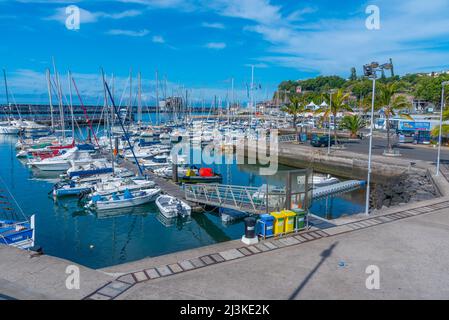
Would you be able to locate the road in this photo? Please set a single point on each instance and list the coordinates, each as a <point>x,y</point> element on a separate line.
<point>407,150</point>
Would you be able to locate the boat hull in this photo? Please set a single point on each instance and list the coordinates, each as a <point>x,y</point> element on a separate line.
<point>126,203</point>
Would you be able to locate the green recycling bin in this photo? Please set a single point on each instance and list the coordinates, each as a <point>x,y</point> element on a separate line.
<point>300,218</point>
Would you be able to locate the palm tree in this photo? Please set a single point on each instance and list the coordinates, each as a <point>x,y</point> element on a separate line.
<point>338,104</point>
<point>390,101</point>
<point>295,108</point>
<point>353,124</point>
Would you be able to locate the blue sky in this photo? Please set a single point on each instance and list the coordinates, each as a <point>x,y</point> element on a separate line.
<point>200,45</point>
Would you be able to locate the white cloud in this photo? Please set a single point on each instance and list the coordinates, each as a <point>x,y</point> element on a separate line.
<point>333,46</point>
<point>129,33</point>
<point>214,25</point>
<point>215,45</point>
<point>158,39</point>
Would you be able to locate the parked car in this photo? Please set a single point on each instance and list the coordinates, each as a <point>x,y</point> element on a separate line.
<point>321,141</point>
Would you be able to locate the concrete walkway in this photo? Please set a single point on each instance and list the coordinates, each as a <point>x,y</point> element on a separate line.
<point>411,253</point>
<point>23,276</point>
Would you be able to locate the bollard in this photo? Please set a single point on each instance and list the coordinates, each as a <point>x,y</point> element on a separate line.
<point>175,168</point>
<point>250,231</point>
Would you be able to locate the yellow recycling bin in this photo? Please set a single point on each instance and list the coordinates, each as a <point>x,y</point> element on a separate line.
<point>279,222</point>
<point>289,220</point>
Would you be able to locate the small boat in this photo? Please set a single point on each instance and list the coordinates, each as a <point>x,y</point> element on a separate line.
<point>85,170</point>
<point>71,189</point>
<point>125,200</point>
<point>164,136</point>
<point>62,162</point>
<point>321,181</point>
<point>17,234</point>
<point>167,172</point>
<point>155,162</point>
<point>8,129</point>
<point>205,175</point>
<point>172,207</point>
<point>120,185</point>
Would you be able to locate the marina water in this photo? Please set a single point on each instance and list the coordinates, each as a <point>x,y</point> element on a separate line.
<point>65,230</point>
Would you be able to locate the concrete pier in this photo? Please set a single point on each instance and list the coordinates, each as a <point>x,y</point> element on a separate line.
<point>24,276</point>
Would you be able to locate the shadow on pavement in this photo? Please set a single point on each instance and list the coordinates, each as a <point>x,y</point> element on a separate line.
<point>324,255</point>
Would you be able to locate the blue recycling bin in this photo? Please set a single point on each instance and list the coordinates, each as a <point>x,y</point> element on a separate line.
<point>265,225</point>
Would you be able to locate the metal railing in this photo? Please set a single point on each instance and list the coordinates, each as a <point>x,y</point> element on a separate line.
<point>240,198</point>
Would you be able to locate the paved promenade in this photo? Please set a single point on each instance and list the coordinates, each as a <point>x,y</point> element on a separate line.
<point>412,255</point>
<point>23,276</point>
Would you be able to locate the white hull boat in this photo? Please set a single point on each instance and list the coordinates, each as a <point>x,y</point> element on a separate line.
<point>62,162</point>
<point>172,207</point>
<point>9,129</point>
<point>109,187</point>
<point>126,200</point>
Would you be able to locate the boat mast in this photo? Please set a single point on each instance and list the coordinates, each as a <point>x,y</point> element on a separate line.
<point>130,95</point>
<point>108,125</point>
<point>7,96</point>
<point>139,100</point>
<point>121,125</point>
<point>113,96</point>
<point>232,99</point>
<point>251,93</point>
<point>50,98</point>
<point>69,76</point>
<point>61,107</point>
<point>157,98</point>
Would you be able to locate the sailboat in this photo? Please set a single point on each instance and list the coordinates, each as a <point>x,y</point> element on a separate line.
<point>6,127</point>
<point>15,233</point>
<point>19,234</point>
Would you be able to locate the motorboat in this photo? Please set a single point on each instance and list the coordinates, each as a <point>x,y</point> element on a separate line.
<point>203,175</point>
<point>123,200</point>
<point>8,128</point>
<point>62,162</point>
<point>71,188</point>
<point>172,207</point>
<point>167,172</point>
<point>155,162</point>
<point>321,180</point>
<point>120,185</point>
<point>83,170</point>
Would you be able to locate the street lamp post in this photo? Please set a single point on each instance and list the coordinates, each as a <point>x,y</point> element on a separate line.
<point>329,133</point>
<point>330,113</point>
<point>370,147</point>
<point>370,71</point>
<point>443,84</point>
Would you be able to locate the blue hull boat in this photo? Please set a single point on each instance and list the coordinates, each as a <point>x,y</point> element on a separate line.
<point>86,173</point>
<point>17,234</point>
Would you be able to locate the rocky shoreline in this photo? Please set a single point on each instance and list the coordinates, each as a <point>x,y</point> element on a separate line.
<point>406,188</point>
